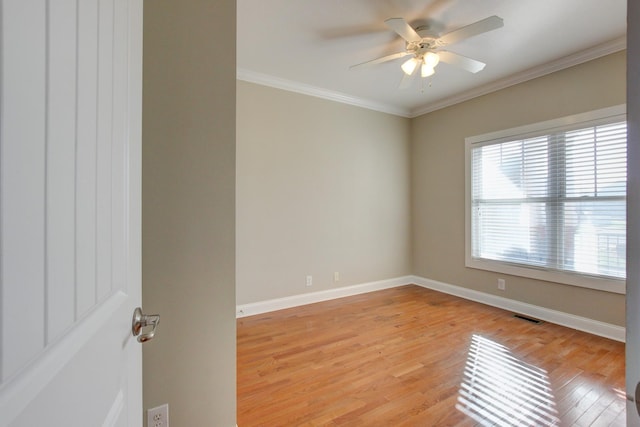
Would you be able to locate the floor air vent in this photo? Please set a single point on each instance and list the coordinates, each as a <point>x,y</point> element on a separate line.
<point>528,319</point>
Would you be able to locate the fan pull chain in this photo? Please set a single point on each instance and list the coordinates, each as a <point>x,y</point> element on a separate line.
<point>422,84</point>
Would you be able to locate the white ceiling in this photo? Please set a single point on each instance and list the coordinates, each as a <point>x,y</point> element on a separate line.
<point>308,46</point>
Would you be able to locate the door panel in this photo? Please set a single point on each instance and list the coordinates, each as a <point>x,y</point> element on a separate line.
<point>104,145</point>
<point>22,227</point>
<point>70,99</point>
<point>60,167</point>
<point>86,152</point>
<point>72,384</point>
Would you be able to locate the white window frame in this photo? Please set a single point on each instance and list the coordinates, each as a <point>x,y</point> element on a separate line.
<point>602,116</point>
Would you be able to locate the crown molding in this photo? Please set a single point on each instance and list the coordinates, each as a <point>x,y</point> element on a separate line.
<point>586,55</point>
<point>292,86</point>
<point>578,58</point>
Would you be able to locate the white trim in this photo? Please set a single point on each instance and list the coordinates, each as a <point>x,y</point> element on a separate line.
<point>24,387</point>
<point>604,115</point>
<point>578,58</point>
<point>584,324</point>
<point>605,284</point>
<point>297,87</point>
<point>250,309</point>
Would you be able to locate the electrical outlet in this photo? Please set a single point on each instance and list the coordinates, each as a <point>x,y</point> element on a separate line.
<point>336,276</point>
<point>158,416</point>
<point>309,280</point>
<point>501,284</point>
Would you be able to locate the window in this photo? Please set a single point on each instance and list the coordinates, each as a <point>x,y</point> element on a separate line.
<point>548,201</point>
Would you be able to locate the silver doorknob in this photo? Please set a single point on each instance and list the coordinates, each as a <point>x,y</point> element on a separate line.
<point>140,321</point>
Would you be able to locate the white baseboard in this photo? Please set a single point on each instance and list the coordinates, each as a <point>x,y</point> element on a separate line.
<point>584,324</point>
<point>260,307</point>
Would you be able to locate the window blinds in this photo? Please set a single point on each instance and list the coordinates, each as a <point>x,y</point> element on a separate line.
<point>554,201</point>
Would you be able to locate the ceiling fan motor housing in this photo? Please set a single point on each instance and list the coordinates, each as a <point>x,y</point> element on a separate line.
<point>428,43</point>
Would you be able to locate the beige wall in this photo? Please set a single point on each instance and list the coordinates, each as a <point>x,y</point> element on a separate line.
<point>321,187</point>
<point>189,209</point>
<point>437,153</point>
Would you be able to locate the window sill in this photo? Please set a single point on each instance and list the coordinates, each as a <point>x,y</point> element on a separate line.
<point>617,286</point>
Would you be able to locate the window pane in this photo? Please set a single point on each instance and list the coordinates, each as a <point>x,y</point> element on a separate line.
<point>555,201</point>
<point>512,232</point>
<point>596,161</point>
<point>595,237</point>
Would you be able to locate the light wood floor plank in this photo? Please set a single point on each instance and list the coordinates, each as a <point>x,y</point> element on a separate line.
<point>410,356</point>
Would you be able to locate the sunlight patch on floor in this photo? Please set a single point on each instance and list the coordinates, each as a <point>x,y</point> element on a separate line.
<point>499,389</point>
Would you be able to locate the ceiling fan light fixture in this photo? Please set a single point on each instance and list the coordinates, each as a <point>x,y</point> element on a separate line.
<point>427,70</point>
<point>409,66</point>
<point>431,59</point>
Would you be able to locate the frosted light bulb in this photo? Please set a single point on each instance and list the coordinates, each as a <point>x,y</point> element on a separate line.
<point>409,66</point>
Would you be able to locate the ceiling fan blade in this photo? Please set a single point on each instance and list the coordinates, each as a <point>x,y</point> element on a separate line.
<point>380,60</point>
<point>404,30</point>
<point>463,62</point>
<point>483,26</point>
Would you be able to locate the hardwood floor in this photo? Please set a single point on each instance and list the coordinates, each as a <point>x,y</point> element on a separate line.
<point>410,356</point>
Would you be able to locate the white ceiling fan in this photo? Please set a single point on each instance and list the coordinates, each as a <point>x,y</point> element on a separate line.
<point>426,48</point>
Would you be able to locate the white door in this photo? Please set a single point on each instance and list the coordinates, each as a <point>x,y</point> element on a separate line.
<point>70,113</point>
